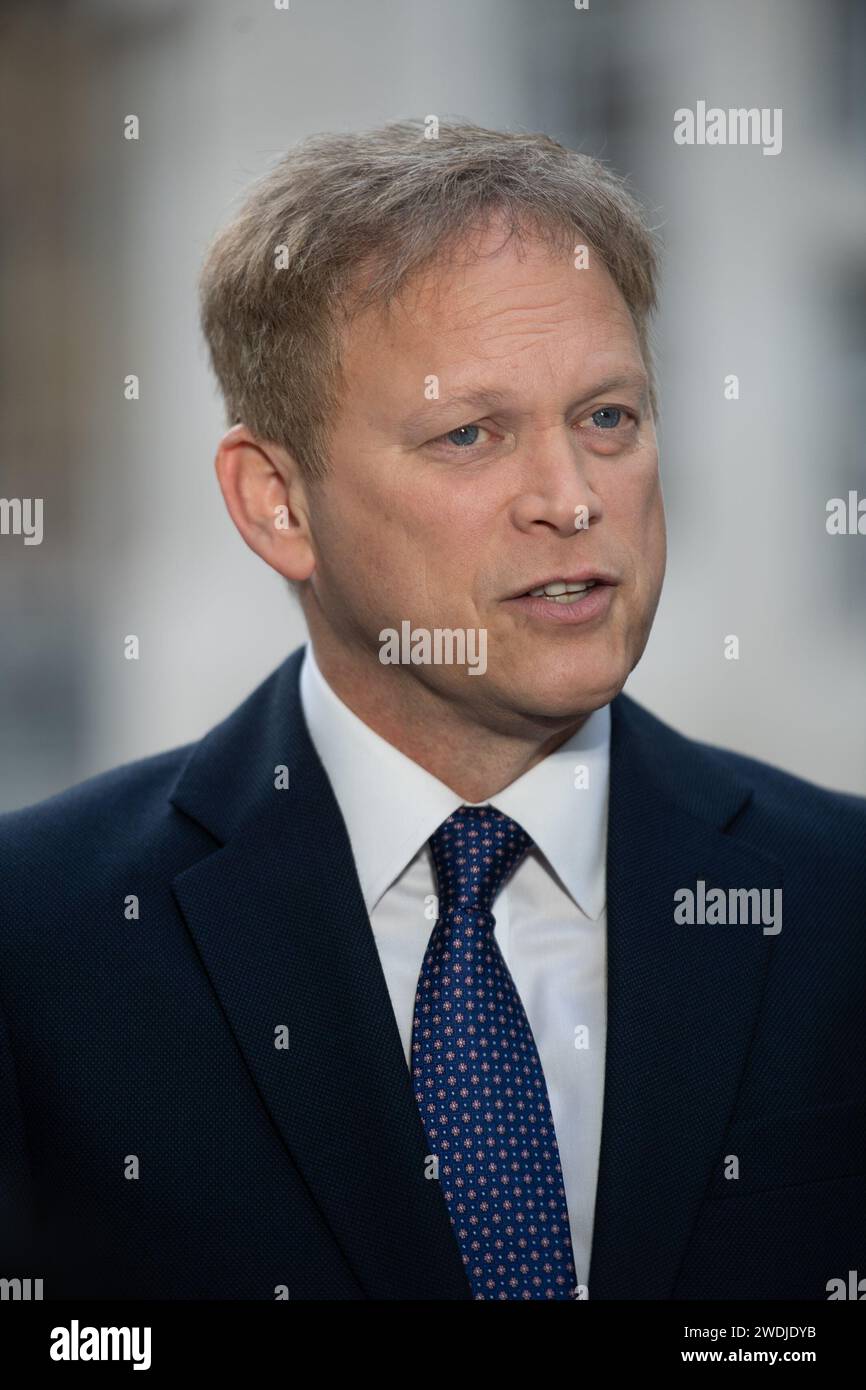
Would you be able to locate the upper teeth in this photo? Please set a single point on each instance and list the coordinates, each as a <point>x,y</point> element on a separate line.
<point>560,586</point>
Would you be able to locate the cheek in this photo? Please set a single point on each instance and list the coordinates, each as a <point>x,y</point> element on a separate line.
<point>357,525</point>
<point>635,515</point>
<point>655,524</point>
<point>440,530</point>
<point>637,500</point>
<point>382,545</point>
<point>651,556</point>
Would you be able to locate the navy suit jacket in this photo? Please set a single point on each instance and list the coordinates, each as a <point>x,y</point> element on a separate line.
<point>155,1143</point>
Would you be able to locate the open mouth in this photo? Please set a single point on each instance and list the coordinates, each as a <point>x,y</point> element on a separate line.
<point>562,591</point>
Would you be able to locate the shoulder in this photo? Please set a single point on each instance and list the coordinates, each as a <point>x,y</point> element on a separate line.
<point>113,835</point>
<point>129,809</point>
<point>122,804</point>
<point>128,831</point>
<point>774,808</point>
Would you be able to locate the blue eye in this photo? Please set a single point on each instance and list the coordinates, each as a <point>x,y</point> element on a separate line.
<point>459,436</point>
<point>607,418</point>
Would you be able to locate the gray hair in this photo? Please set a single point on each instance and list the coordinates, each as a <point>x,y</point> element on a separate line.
<point>344,222</point>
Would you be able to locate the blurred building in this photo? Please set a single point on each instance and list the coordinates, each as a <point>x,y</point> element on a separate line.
<point>764,277</point>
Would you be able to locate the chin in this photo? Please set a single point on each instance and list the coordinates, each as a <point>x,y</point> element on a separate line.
<point>568,699</point>
<point>571,688</point>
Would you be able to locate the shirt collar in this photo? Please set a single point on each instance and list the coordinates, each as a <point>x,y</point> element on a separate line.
<point>391,806</point>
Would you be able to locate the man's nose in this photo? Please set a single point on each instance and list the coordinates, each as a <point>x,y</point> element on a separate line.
<point>555,487</point>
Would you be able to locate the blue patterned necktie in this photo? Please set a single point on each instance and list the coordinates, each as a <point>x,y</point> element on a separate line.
<point>478,1078</point>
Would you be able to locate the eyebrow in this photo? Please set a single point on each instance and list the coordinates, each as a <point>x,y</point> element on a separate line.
<point>481,397</point>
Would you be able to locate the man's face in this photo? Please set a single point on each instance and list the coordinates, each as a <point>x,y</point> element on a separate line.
<point>446,513</point>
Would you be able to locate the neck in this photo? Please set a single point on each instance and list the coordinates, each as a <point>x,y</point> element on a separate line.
<point>475,759</point>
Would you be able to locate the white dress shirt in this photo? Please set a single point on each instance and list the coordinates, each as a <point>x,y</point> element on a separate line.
<point>550,914</point>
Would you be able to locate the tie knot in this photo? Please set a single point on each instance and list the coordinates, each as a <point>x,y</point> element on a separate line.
<point>474,851</point>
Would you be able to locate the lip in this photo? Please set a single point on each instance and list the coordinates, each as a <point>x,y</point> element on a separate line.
<point>579,577</point>
<point>595,603</point>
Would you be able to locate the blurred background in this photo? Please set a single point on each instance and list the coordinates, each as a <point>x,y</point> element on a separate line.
<point>764,276</point>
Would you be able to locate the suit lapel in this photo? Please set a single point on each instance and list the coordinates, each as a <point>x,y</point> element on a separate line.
<point>279,921</point>
<point>281,927</point>
<point>682,1000</point>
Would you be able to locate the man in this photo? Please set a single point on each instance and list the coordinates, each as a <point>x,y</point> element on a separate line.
<point>441,969</point>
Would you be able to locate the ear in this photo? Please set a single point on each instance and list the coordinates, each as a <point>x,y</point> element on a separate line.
<point>267,501</point>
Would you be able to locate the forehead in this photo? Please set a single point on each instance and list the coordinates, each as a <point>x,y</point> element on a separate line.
<point>519,307</point>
